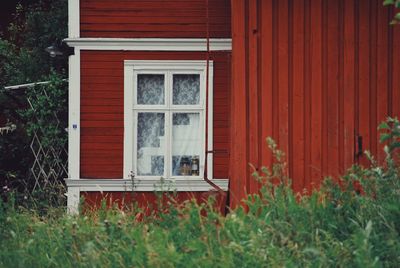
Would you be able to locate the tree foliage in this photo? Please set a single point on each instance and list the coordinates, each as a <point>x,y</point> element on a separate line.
<point>23,59</point>
<point>396,4</point>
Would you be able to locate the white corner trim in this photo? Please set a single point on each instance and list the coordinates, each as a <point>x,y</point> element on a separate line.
<point>73,19</point>
<point>150,44</point>
<point>74,129</point>
<point>145,185</point>
<point>74,116</point>
<point>73,194</point>
<point>73,197</point>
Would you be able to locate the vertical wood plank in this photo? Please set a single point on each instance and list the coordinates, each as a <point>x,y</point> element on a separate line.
<point>374,6</point>
<point>239,113</point>
<point>349,82</point>
<point>382,71</point>
<point>275,71</point>
<point>332,101</point>
<point>341,87</point>
<point>396,72</point>
<point>297,127</point>
<point>356,114</point>
<point>364,75</point>
<point>316,78</point>
<point>253,92</point>
<point>324,138</point>
<point>266,77</point>
<point>307,94</point>
<point>283,75</point>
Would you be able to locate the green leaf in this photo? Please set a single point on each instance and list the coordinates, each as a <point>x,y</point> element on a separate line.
<point>384,125</point>
<point>388,2</point>
<point>385,137</point>
<point>395,145</point>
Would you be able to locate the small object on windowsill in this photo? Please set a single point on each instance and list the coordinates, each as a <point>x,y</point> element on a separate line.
<point>185,166</point>
<point>195,166</point>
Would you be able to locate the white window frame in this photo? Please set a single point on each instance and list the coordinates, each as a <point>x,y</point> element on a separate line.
<point>168,67</point>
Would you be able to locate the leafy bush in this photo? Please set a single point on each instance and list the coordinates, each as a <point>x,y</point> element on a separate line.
<point>396,4</point>
<point>333,226</point>
<point>23,59</point>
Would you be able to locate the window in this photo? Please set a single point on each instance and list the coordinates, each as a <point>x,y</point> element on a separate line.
<point>164,119</point>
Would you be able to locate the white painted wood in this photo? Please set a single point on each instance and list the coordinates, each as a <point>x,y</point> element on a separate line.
<point>74,116</point>
<point>128,122</point>
<point>144,185</point>
<point>74,129</point>
<point>199,65</point>
<point>73,199</point>
<point>150,44</point>
<point>73,19</point>
<point>73,109</point>
<point>168,138</point>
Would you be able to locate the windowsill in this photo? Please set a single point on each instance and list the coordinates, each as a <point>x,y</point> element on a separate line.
<point>146,185</point>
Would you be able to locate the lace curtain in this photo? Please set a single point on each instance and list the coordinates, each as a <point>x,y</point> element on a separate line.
<point>186,89</point>
<point>150,90</point>
<point>150,143</point>
<point>186,134</point>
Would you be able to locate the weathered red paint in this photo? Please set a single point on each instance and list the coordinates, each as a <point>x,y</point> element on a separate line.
<point>312,74</point>
<point>328,73</point>
<point>154,18</point>
<point>148,201</point>
<point>102,105</point>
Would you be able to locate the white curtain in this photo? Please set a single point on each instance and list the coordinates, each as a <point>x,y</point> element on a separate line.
<point>186,134</point>
<point>186,140</point>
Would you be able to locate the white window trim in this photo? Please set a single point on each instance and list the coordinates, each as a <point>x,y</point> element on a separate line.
<point>130,66</point>
<point>148,185</point>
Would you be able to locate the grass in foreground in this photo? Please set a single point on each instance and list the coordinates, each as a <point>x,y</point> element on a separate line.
<point>334,226</point>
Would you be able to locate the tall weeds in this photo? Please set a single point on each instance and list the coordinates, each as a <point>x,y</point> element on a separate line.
<point>353,222</point>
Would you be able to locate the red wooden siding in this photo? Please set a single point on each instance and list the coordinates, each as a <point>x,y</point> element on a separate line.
<point>147,201</point>
<point>312,74</point>
<point>154,18</point>
<point>102,106</point>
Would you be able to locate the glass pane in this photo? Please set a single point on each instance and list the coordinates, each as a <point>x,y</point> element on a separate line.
<point>150,89</point>
<point>186,144</point>
<point>186,89</point>
<point>150,144</point>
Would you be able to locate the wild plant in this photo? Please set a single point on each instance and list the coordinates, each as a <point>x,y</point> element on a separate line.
<point>352,221</point>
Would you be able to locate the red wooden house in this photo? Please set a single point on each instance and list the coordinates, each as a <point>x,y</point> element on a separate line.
<point>180,94</point>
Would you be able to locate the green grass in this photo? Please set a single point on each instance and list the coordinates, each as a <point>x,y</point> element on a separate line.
<point>333,227</point>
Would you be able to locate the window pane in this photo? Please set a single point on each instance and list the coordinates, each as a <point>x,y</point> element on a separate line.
<point>186,89</point>
<point>186,144</point>
<point>150,89</point>
<point>150,144</point>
